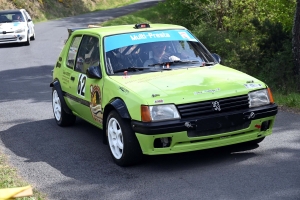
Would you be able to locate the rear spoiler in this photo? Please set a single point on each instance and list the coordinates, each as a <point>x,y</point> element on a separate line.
<point>71,30</point>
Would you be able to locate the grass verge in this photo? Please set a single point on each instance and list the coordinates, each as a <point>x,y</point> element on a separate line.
<point>9,179</point>
<point>291,100</point>
<point>43,10</point>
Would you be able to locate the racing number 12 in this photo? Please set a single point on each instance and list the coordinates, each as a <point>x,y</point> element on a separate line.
<point>81,84</point>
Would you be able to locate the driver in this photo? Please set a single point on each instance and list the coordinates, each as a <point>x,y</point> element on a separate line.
<point>159,54</point>
<point>17,17</point>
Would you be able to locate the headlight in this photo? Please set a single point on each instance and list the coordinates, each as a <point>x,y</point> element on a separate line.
<point>159,112</point>
<point>20,30</point>
<point>260,98</point>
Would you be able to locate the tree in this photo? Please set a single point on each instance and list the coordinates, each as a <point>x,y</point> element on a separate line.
<point>296,43</point>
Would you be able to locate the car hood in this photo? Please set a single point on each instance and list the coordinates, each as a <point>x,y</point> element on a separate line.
<point>188,85</point>
<point>12,26</point>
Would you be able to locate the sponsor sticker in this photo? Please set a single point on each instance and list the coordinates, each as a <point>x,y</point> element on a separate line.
<point>149,35</point>
<point>95,104</point>
<point>252,85</point>
<point>207,91</point>
<point>159,101</point>
<point>126,39</point>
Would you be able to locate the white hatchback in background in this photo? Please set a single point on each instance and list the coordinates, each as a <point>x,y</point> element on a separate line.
<point>16,26</point>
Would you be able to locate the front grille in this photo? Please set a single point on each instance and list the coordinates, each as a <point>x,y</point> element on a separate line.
<point>8,39</point>
<point>205,108</point>
<point>5,32</point>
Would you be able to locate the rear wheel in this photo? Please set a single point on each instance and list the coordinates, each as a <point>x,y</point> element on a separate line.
<point>61,117</point>
<point>123,144</point>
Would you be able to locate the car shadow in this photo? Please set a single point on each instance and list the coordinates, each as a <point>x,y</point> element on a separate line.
<point>78,152</point>
<point>11,45</point>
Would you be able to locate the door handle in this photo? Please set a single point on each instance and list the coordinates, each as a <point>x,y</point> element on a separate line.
<point>72,78</point>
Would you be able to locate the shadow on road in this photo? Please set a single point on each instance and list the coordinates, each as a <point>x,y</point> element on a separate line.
<point>11,45</point>
<point>26,83</point>
<point>78,152</point>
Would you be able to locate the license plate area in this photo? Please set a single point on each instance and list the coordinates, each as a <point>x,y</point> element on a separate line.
<point>219,125</point>
<point>219,122</point>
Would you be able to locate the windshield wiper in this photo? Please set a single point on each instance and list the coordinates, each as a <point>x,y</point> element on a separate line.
<point>208,63</point>
<point>176,61</point>
<point>186,61</point>
<point>131,69</point>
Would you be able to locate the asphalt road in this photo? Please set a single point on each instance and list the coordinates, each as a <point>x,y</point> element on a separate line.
<point>72,163</point>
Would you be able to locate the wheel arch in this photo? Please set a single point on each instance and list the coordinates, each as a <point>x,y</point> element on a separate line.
<point>118,105</point>
<point>56,85</point>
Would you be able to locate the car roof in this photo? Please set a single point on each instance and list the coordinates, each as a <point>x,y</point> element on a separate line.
<point>114,30</point>
<point>10,11</point>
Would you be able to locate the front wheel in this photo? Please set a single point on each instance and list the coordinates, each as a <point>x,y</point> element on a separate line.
<point>27,43</point>
<point>123,144</point>
<point>61,117</point>
<point>33,36</point>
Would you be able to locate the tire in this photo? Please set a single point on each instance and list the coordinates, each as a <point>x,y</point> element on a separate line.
<point>123,144</point>
<point>61,117</point>
<point>27,43</point>
<point>33,36</point>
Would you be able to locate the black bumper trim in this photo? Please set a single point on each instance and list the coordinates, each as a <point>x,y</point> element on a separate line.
<point>204,123</point>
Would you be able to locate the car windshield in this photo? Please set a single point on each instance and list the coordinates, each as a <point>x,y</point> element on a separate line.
<point>10,17</point>
<point>146,52</point>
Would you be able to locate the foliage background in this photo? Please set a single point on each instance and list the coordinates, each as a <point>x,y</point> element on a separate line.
<point>41,10</point>
<point>251,36</point>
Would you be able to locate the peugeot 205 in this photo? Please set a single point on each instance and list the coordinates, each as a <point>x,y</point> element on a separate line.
<point>155,89</point>
<point>16,26</point>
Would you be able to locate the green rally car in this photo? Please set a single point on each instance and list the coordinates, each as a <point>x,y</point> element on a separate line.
<point>155,89</point>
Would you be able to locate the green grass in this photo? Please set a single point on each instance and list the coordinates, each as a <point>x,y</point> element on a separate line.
<point>291,100</point>
<point>148,15</point>
<point>43,10</point>
<point>10,179</point>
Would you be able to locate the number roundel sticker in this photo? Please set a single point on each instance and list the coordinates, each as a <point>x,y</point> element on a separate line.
<point>81,85</point>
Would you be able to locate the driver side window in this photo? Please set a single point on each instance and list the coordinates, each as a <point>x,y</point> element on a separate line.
<point>88,54</point>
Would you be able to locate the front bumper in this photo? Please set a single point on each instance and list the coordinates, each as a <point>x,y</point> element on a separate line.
<point>12,37</point>
<point>207,131</point>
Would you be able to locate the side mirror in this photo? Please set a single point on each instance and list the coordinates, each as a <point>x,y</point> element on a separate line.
<point>29,20</point>
<point>94,72</point>
<point>216,57</point>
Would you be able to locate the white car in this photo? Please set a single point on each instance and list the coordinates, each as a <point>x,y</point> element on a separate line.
<point>16,26</point>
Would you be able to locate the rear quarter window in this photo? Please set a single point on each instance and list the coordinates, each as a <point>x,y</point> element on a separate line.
<point>73,52</point>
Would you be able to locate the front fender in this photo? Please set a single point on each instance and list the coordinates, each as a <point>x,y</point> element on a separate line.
<point>56,85</point>
<point>121,108</point>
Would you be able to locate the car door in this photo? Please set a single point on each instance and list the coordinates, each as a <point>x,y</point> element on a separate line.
<point>85,91</point>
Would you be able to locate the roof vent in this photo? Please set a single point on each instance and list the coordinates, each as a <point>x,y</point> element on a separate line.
<point>143,25</point>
